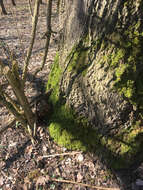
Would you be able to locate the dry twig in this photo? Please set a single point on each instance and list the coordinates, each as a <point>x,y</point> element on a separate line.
<point>82,184</point>
<point>62,154</point>
<point>47,178</point>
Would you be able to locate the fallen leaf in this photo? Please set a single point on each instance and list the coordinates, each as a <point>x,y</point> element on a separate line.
<point>80,158</point>
<point>79,177</point>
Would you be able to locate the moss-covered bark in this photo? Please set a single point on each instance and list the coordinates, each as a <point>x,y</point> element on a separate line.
<point>67,129</point>
<point>97,89</point>
<point>74,132</point>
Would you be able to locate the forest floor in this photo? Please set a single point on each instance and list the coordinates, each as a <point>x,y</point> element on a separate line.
<point>45,164</point>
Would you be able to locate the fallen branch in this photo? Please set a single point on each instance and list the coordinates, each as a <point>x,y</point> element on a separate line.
<point>44,179</point>
<point>62,154</point>
<point>82,184</point>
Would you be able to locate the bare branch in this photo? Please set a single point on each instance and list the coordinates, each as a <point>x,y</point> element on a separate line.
<point>13,103</point>
<point>9,106</point>
<point>33,35</point>
<point>47,178</point>
<point>62,154</point>
<point>47,34</point>
<point>30,7</point>
<point>16,84</point>
<point>82,184</point>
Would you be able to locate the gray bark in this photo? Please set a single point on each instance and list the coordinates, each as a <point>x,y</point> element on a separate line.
<point>92,95</point>
<point>101,71</point>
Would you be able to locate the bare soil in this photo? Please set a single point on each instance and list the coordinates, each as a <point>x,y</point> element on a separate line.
<point>27,166</point>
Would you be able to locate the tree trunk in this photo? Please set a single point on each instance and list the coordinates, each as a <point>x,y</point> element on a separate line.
<point>97,79</point>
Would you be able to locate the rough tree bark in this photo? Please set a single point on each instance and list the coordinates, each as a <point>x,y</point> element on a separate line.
<point>97,79</point>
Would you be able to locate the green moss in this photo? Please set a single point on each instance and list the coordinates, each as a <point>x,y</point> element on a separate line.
<point>78,58</point>
<point>126,58</point>
<point>123,147</point>
<point>69,131</point>
<point>65,128</point>
<point>53,80</point>
<point>115,58</point>
<point>72,132</point>
<point>79,61</point>
<point>65,138</point>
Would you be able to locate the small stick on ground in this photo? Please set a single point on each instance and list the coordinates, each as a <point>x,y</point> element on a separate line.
<point>82,184</point>
<point>62,154</point>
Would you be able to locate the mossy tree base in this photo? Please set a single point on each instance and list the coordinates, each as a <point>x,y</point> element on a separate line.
<point>73,132</point>
<point>103,76</point>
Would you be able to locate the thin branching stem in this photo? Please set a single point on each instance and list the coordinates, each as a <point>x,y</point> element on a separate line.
<point>47,34</point>
<point>30,7</point>
<point>33,35</point>
<point>13,103</point>
<point>14,80</point>
<point>11,109</point>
